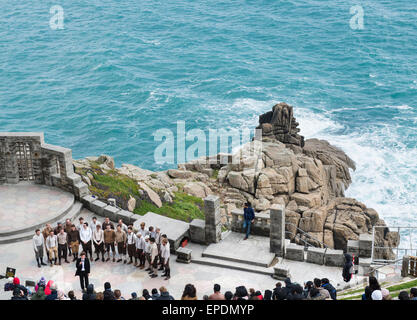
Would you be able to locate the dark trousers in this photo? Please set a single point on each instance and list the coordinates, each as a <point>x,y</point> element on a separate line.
<point>99,248</point>
<point>141,256</point>
<point>108,246</point>
<point>121,249</point>
<point>161,263</point>
<point>83,280</point>
<point>148,258</point>
<point>131,250</point>
<point>62,251</point>
<point>39,253</point>
<point>167,268</point>
<point>153,266</point>
<point>159,254</point>
<point>88,248</point>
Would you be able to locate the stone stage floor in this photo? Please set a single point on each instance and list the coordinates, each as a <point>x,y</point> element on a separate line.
<point>254,250</point>
<point>126,277</point>
<point>23,205</point>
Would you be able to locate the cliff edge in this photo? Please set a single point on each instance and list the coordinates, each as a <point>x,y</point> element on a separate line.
<point>309,177</point>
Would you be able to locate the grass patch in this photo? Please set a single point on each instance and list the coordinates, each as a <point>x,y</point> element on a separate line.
<point>403,286</point>
<point>113,184</point>
<point>362,289</point>
<point>352,292</point>
<point>184,207</point>
<point>394,290</point>
<point>215,174</point>
<point>117,183</point>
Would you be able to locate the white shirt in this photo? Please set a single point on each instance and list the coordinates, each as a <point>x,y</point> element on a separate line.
<point>147,247</point>
<point>82,265</point>
<point>124,227</point>
<point>98,236</point>
<point>157,238</point>
<point>51,242</point>
<point>131,238</point>
<point>140,243</point>
<point>154,251</point>
<point>85,234</point>
<point>37,241</point>
<point>165,252</point>
<point>143,232</point>
<point>93,226</point>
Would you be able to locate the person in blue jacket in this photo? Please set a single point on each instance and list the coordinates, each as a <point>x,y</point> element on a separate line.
<point>248,218</point>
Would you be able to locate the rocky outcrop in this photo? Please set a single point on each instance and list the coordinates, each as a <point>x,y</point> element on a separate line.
<point>281,125</point>
<point>334,157</point>
<point>308,177</point>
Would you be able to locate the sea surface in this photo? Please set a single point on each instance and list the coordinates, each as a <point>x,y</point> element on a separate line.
<point>120,70</point>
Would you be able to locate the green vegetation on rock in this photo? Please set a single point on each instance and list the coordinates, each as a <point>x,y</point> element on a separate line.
<point>184,207</point>
<point>215,174</point>
<point>111,184</point>
<point>117,184</point>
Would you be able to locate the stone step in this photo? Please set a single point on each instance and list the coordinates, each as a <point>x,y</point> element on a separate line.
<point>253,251</point>
<point>242,261</point>
<point>28,234</point>
<point>232,265</point>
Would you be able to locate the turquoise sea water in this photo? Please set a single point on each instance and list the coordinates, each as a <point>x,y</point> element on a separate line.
<point>119,70</point>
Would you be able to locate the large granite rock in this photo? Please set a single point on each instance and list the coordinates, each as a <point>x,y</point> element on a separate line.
<point>333,156</point>
<point>281,124</point>
<point>308,178</point>
<point>197,189</point>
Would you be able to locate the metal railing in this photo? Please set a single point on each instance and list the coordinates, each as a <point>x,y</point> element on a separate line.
<point>303,233</point>
<point>407,236</point>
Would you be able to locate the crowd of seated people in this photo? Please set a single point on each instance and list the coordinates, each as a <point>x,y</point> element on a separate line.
<point>318,289</point>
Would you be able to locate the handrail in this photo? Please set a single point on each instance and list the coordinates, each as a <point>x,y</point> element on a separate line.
<point>305,233</point>
<point>397,248</point>
<point>374,269</point>
<point>306,243</point>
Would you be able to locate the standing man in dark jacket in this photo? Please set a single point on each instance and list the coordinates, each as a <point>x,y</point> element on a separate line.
<point>347,269</point>
<point>83,270</point>
<point>248,218</point>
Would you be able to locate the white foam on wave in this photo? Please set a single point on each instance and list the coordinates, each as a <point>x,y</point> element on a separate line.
<point>386,170</point>
<point>399,107</point>
<point>313,124</point>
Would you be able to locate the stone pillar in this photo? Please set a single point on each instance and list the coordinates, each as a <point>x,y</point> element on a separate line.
<point>213,228</point>
<point>405,271</point>
<point>365,245</point>
<point>277,230</point>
